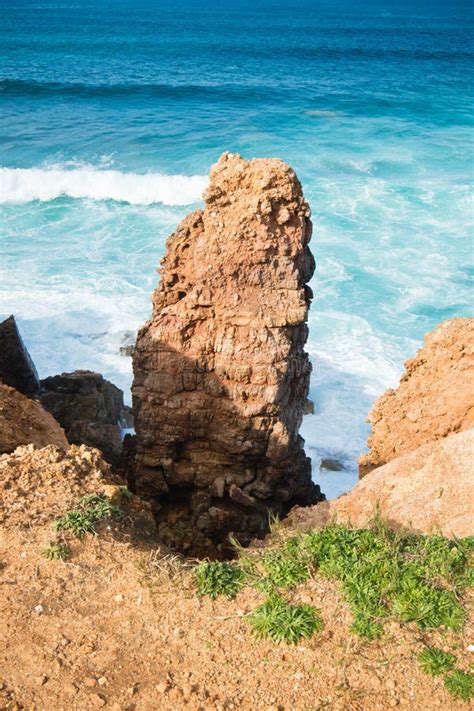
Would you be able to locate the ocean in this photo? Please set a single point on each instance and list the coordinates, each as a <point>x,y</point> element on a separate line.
<point>112,113</point>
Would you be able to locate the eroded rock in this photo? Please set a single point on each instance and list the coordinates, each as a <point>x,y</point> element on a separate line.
<point>24,421</point>
<point>429,490</point>
<point>88,407</point>
<point>221,375</point>
<point>435,397</point>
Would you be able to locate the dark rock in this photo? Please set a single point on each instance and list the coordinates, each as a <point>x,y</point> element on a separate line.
<point>16,367</point>
<point>332,465</point>
<point>88,407</point>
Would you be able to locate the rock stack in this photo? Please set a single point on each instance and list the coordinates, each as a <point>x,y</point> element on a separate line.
<point>221,376</point>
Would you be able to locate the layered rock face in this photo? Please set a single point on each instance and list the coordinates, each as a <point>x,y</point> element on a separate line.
<point>435,397</point>
<point>221,375</point>
<point>89,409</point>
<point>24,421</point>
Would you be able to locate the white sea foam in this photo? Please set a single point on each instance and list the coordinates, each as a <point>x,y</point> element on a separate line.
<point>20,185</point>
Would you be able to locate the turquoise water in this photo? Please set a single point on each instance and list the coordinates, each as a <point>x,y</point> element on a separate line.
<point>370,102</point>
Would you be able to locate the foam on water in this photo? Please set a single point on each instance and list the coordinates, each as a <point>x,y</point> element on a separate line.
<point>372,109</point>
<point>20,185</point>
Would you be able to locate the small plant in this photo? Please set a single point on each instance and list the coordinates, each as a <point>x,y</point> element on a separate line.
<point>125,491</point>
<point>279,621</point>
<point>286,567</point>
<point>91,509</point>
<point>215,578</point>
<point>460,685</point>
<point>56,551</point>
<point>435,661</point>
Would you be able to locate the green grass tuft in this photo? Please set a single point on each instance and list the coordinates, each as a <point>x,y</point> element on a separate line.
<point>285,567</point>
<point>90,510</point>
<point>215,578</point>
<point>383,574</point>
<point>56,551</point>
<point>278,620</point>
<point>460,685</point>
<point>434,661</point>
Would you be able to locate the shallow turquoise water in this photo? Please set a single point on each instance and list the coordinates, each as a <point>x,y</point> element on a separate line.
<point>371,103</point>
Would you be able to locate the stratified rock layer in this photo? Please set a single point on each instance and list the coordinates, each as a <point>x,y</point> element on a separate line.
<point>435,397</point>
<point>221,375</point>
<point>24,421</point>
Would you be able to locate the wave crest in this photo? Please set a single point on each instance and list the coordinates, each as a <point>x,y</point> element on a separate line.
<point>20,185</point>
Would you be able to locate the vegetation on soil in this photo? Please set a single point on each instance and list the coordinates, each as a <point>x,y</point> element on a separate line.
<point>90,511</point>
<point>383,575</point>
<point>56,551</point>
<point>280,621</point>
<point>435,661</point>
<point>460,685</point>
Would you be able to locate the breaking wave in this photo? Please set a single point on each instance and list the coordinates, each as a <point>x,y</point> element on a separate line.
<point>21,185</point>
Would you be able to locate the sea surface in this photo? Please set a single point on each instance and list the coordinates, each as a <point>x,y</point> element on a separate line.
<point>112,112</point>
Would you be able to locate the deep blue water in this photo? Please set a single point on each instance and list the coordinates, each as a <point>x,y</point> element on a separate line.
<point>371,103</point>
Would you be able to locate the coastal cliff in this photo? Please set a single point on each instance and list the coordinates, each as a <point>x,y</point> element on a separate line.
<point>221,376</point>
<point>435,397</point>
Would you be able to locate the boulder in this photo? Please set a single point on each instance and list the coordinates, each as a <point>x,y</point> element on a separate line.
<point>435,397</point>
<point>88,407</point>
<point>16,367</point>
<point>430,490</point>
<point>24,421</point>
<point>220,372</point>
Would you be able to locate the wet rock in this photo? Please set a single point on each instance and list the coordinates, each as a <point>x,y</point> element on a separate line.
<point>88,407</point>
<point>16,367</point>
<point>221,374</point>
<point>332,465</point>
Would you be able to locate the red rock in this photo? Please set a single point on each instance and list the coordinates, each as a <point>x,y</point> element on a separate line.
<point>430,490</point>
<point>221,375</point>
<point>24,421</point>
<point>435,397</point>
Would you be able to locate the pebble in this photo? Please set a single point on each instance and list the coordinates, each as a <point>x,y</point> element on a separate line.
<point>41,680</point>
<point>393,702</point>
<point>90,682</point>
<point>470,647</point>
<point>162,687</point>
<point>118,598</point>
<point>391,684</point>
<point>102,681</point>
<point>39,609</point>
<point>97,701</point>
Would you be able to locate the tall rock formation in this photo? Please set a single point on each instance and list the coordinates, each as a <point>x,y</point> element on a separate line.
<point>435,397</point>
<point>221,375</point>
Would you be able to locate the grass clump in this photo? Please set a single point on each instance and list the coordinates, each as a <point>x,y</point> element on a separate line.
<point>460,685</point>
<point>56,551</point>
<point>90,510</point>
<point>278,620</point>
<point>435,661</point>
<point>284,567</point>
<point>214,578</point>
<point>383,574</point>
<point>413,578</point>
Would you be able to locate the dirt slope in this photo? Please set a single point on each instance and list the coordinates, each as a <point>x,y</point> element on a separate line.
<point>117,626</point>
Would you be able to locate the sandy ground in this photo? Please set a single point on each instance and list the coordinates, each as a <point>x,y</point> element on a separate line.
<point>114,627</point>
